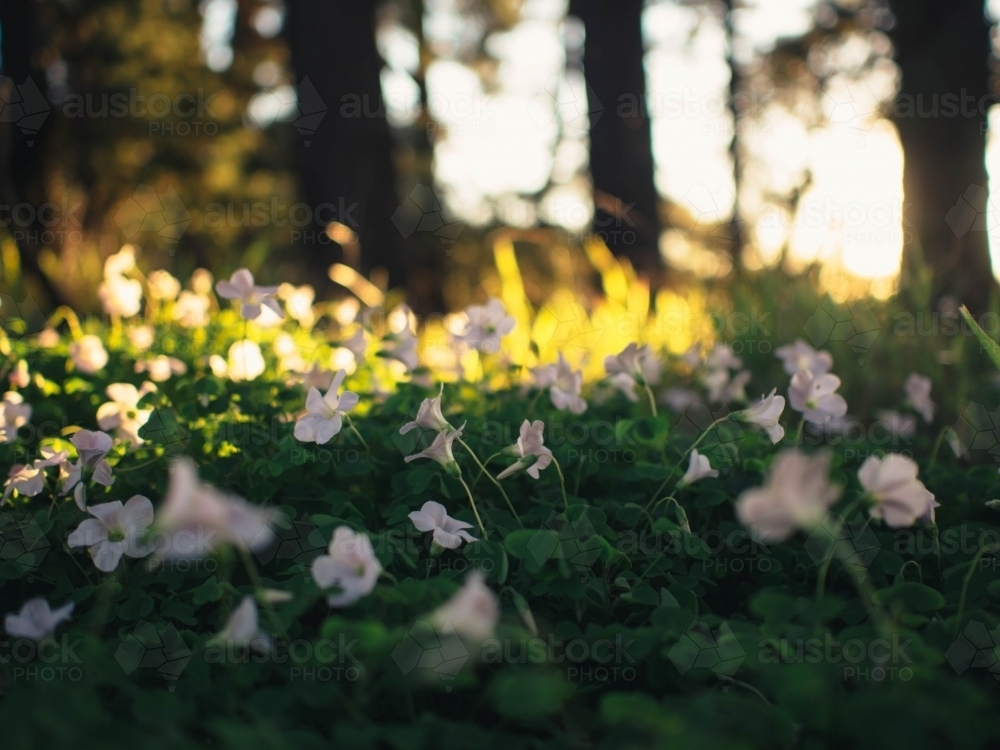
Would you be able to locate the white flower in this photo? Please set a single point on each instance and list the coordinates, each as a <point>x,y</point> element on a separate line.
<point>899,497</point>
<point>47,338</point>
<point>200,518</point>
<point>252,297</point>
<point>141,337</point>
<point>326,413</point>
<point>766,414</point>
<point>441,449</point>
<point>299,302</point>
<point>120,296</point>
<point>92,447</point>
<point>121,262</point>
<point>723,388</point>
<point>402,346</point>
<point>564,384</point>
<point>19,376</point>
<point>245,361</point>
<point>484,326</point>
<point>472,613</point>
<point>349,564</point>
<point>801,356</point>
<point>448,532</point>
<point>679,399</point>
<point>357,345</point>
<point>243,626</point>
<point>122,413</point>
<point>530,449</point>
<point>88,354</point>
<point>634,365</point>
<point>161,367</point>
<point>163,285</point>
<point>317,377</point>
<point>28,480</point>
<point>816,397</point>
<point>692,356</point>
<point>37,620</point>
<point>429,416</point>
<point>796,495</point>
<point>191,310</point>
<point>13,414</point>
<point>114,530</point>
<point>201,281</point>
<point>698,468</point>
<point>918,396</point>
<point>898,425</point>
<point>721,357</point>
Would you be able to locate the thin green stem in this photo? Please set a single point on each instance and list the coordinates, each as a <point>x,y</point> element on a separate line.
<point>937,447</point>
<point>835,533</point>
<point>259,589</point>
<point>798,432</point>
<point>652,398</point>
<point>562,482</point>
<point>352,428</point>
<point>965,586</point>
<point>482,469</point>
<point>475,510</point>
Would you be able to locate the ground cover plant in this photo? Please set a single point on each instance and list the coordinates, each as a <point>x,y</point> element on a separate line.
<point>236,516</point>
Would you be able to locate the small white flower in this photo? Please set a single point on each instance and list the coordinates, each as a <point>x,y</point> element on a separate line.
<point>122,413</point>
<point>441,449</point>
<point>472,613</point>
<point>252,297</point>
<point>899,497</point>
<point>484,326</point>
<point>299,302</point>
<point>163,285</point>
<point>766,414</point>
<point>191,310</point>
<point>200,518</point>
<point>448,532</point>
<point>816,397</point>
<point>692,356</point>
<point>564,384</point>
<point>679,399</point>
<point>121,262</point>
<point>801,356</point>
<point>14,413</point>
<point>429,416</point>
<point>898,425</point>
<point>141,337</point>
<point>326,413</point>
<point>721,357</point>
<point>19,376</point>
<point>114,530</point>
<point>349,564</point>
<point>28,480</point>
<point>317,377</point>
<point>918,396</point>
<point>724,388</point>
<point>161,367</point>
<point>37,620</point>
<point>530,449</point>
<point>634,365</point>
<point>402,347</point>
<point>201,281</point>
<point>243,626</point>
<point>698,468</point>
<point>92,447</point>
<point>357,345</point>
<point>245,361</point>
<point>120,296</point>
<point>88,354</point>
<point>796,495</point>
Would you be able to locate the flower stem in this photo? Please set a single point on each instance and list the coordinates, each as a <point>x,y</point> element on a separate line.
<point>825,567</point>
<point>259,589</point>
<point>482,469</point>
<point>652,398</point>
<point>352,428</point>
<point>937,447</point>
<point>475,510</point>
<point>798,432</point>
<point>965,586</point>
<point>562,482</point>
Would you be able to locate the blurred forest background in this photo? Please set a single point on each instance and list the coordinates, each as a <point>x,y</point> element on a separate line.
<point>853,139</point>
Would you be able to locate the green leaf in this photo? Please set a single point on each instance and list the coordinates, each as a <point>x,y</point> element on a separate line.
<point>987,344</point>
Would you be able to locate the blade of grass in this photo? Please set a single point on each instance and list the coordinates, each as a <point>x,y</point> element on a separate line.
<point>990,346</point>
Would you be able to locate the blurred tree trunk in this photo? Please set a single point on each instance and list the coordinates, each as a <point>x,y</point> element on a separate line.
<point>621,152</point>
<point>943,50</point>
<point>23,132</point>
<point>347,161</point>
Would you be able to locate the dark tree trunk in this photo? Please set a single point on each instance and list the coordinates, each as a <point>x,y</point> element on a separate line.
<point>346,161</point>
<point>943,51</point>
<point>621,153</point>
<point>26,113</point>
